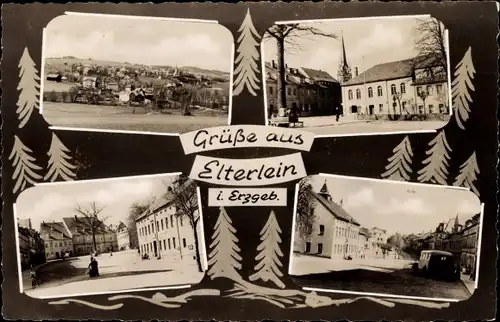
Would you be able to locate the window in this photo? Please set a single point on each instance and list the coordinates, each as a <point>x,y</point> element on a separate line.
<point>429,89</point>
<point>149,229</point>
<point>349,94</point>
<point>431,108</point>
<point>50,244</point>
<point>441,108</point>
<point>169,243</point>
<point>379,91</point>
<point>439,88</point>
<point>380,108</point>
<point>320,248</point>
<point>270,90</point>
<point>321,230</point>
<point>403,106</point>
<point>182,223</point>
<point>421,109</point>
<point>402,88</point>
<point>294,91</point>
<point>358,94</point>
<point>419,89</point>
<point>393,89</point>
<point>173,242</point>
<point>289,91</point>
<point>166,223</point>
<point>308,247</point>
<point>336,231</point>
<point>171,221</point>
<point>162,225</point>
<point>370,92</point>
<point>184,242</point>
<point>160,245</point>
<point>157,226</point>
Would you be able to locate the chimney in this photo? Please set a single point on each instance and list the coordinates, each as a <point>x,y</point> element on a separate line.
<point>356,72</point>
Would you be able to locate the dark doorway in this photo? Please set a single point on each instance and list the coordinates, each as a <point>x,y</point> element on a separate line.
<point>155,248</point>
<point>354,109</point>
<point>370,109</point>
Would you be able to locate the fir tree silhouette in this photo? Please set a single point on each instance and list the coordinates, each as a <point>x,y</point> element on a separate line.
<point>399,167</point>
<point>436,165</point>
<point>24,166</point>
<point>224,260</point>
<point>461,88</point>
<point>28,87</point>
<point>59,161</point>
<point>468,174</point>
<point>247,57</point>
<point>268,268</point>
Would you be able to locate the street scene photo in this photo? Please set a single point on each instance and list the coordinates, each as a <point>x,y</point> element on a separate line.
<point>108,235</point>
<point>117,73</point>
<point>387,238</point>
<point>351,76</point>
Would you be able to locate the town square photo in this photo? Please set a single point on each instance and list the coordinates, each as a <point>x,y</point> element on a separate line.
<point>110,235</point>
<point>386,238</point>
<point>349,76</point>
<point>119,73</point>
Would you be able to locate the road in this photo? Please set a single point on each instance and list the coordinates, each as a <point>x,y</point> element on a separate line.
<point>397,282</point>
<point>122,118</point>
<point>122,271</point>
<point>326,125</point>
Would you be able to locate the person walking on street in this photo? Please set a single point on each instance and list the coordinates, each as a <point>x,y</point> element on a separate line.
<point>33,277</point>
<point>93,268</point>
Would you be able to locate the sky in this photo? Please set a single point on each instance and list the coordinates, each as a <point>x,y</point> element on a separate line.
<point>148,42</point>
<point>378,40</point>
<point>398,207</point>
<point>54,201</point>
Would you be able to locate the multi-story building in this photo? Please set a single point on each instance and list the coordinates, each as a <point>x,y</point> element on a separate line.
<point>31,247</point>
<point>405,87</point>
<point>57,240</point>
<point>335,233</point>
<point>378,238</point>
<point>470,238</point>
<point>365,245</point>
<point>163,231</point>
<point>83,237</point>
<point>123,236</point>
<point>308,91</point>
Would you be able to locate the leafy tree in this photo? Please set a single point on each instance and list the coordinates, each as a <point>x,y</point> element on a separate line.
<point>306,203</point>
<point>136,209</point>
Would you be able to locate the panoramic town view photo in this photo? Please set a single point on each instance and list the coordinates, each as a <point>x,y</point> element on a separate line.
<point>110,235</point>
<point>358,75</point>
<point>116,73</point>
<point>380,237</point>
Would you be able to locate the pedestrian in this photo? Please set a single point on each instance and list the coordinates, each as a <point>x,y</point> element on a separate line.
<point>93,268</point>
<point>34,281</point>
<point>337,113</point>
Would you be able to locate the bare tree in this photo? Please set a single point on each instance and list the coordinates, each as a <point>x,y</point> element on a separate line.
<point>136,209</point>
<point>286,35</point>
<point>397,98</point>
<point>431,46</point>
<point>89,219</point>
<point>423,94</point>
<point>305,209</point>
<point>183,194</point>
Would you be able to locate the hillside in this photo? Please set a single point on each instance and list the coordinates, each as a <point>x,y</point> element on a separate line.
<point>64,64</point>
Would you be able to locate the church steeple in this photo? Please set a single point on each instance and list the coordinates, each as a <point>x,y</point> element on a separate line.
<point>325,193</point>
<point>344,74</point>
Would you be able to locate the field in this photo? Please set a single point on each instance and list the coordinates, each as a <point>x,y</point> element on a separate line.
<point>123,118</point>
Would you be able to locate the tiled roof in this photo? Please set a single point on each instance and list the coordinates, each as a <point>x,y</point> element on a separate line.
<point>77,225</point>
<point>392,70</point>
<point>319,75</point>
<point>364,231</point>
<point>335,209</point>
<point>121,225</point>
<point>56,230</point>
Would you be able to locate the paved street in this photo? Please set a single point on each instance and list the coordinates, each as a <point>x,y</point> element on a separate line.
<point>373,276</point>
<point>326,125</point>
<point>124,270</point>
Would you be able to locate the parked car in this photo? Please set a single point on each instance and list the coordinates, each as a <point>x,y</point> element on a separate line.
<point>437,264</point>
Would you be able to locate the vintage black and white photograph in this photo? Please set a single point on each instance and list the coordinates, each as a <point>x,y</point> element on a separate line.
<point>350,76</point>
<point>110,235</point>
<point>386,238</point>
<point>118,73</point>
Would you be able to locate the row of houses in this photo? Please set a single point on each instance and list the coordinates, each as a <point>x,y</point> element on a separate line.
<point>31,245</point>
<point>336,234</point>
<point>163,232</point>
<point>413,86</point>
<point>459,239</point>
<point>72,236</point>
